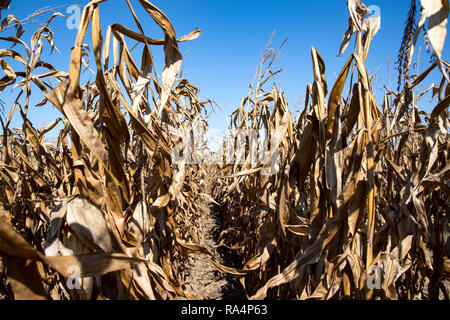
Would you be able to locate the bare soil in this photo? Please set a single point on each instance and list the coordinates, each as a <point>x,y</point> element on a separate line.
<point>200,276</point>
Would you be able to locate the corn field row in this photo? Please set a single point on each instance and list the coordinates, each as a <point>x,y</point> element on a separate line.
<point>351,187</point>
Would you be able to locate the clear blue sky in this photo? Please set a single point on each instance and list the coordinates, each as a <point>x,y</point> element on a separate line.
<point>222,62</point>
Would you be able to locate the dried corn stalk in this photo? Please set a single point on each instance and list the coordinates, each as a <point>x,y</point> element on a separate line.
<point>326,206</point>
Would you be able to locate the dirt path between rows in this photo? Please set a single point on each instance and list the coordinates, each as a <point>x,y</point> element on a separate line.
<point>200,276</point>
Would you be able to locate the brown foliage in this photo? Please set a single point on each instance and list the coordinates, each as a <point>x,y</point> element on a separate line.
<point>356,185</point>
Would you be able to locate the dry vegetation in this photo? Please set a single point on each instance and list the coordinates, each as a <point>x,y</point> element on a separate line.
<point>356,185</point>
